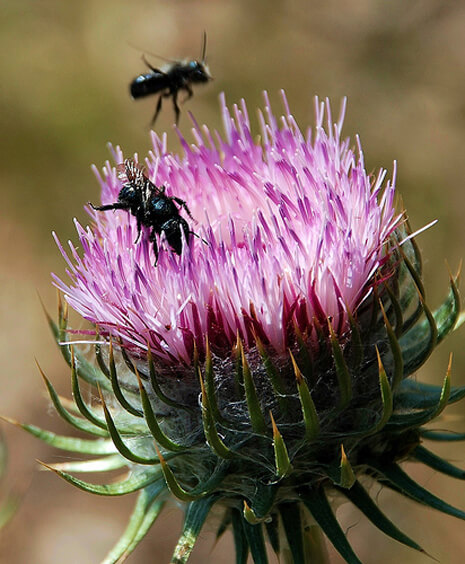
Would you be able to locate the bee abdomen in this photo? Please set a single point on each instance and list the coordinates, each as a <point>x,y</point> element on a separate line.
<point>146,84</point>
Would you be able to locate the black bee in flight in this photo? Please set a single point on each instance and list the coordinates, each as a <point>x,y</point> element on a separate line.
<point>151,207</point>
<point>168,81</point>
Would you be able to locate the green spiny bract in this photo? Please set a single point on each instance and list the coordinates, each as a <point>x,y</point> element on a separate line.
<point>266,437</point>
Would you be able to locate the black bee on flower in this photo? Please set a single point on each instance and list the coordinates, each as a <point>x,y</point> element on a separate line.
<point>151,207</point>
<point>168,81</point>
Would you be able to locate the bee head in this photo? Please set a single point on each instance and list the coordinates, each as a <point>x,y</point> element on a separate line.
<point>130,195</point>
<point>198,71</point>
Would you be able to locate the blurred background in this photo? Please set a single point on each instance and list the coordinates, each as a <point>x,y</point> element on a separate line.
<point>65,70</point>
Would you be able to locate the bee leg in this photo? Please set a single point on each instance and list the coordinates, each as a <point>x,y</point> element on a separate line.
<point>198,237</point>
<point>115,206</point>
<point>139,231</point>
<point>183,204</point>
<point>153,239</point>
<point>157,111</point>
<point>189,91</point>
<point>177,111</point>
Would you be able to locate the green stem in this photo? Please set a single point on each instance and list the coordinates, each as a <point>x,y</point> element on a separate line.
<point>315,548</point>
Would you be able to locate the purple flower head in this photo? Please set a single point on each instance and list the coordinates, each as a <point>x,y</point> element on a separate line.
<point>289,231</point>
<point>263,349</point>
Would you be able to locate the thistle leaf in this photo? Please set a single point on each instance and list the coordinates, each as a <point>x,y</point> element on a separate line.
<point>356,345</point>
<point>85,370</point>
<point>146,508</point>
<point>396,349</point>
<point>117,389</point>
<point>136,481</point>
<point>360,498</point>
<point>224,525</point>
<point>417,395</point>
<point>447,314</point>
<point>240,540</point>
<point>282,462</point>
<point>417,419</point>
<point>81,405</point>
<point>272,531</point>
<point>309,412</point>
<point>237,357</point>
<point>210,387</point>
<point>293,527</point>
<point>104,464</point>
<point>398,315</point>
<point>414,267</point>
<point>386,397</point>
<point>418,342</point>
<point>196,514</point>
<point>152,422</point>
<point>342,371</point>
<point>156,387</point>
<point>305,356</point>
<point>317,503</point>
<point>445,392</point>
<point>72,444</point>
<point>460,320</point>
<point>254,535</point>
<point>437,463</point>
<point>199,491</point>
<point>446,436</point>
<point>262,502</point>
<point>347,476</point>
<point>250,516</point>
<point>76,422</point>
<point>274,376</point>
<point>150,517</point>
<point>118,441</point>
<point>396,477</point>
<point>172,483</point>
<point>211,434</point>
<point>255,413</point>
<point>99,357</point>
<point>412,290</point>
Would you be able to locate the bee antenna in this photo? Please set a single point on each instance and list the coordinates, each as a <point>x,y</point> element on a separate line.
<point>199,237</point>
<point>204,47</point>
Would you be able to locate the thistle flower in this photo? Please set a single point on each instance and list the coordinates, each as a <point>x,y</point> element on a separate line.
<point>264,370</point>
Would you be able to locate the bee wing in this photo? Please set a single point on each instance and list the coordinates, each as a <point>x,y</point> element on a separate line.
<point>152,189</point>
<point>121,169</point>
<point>152,55</point>
<point>135,174</point>
<point>130,171</point>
